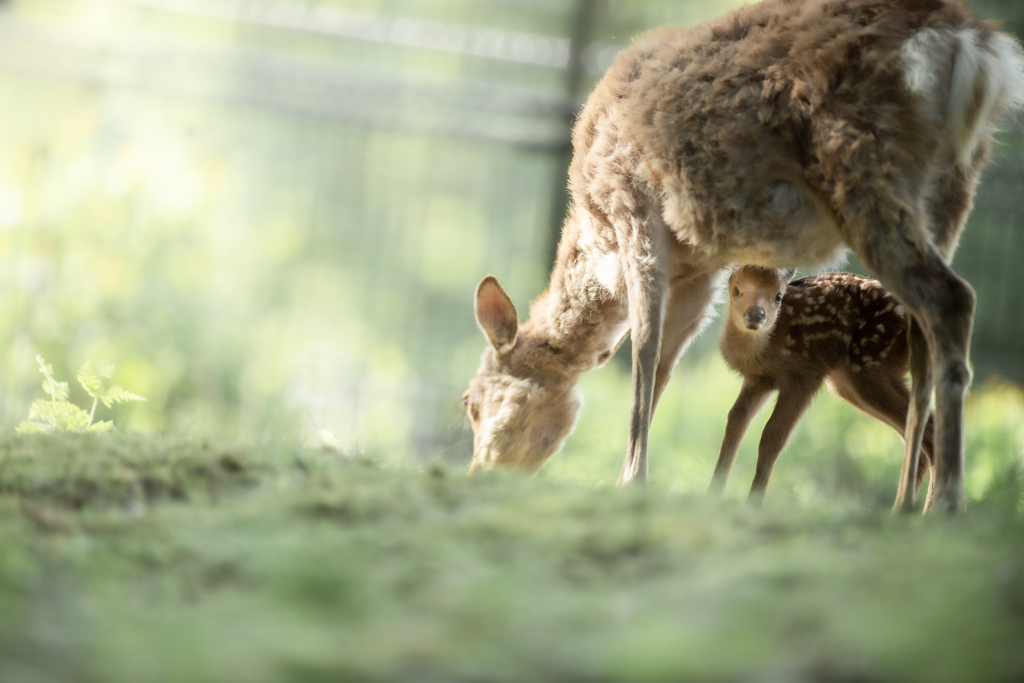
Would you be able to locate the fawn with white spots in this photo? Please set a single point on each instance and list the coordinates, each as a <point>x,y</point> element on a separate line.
<point>791,337</point>
<point>779,135</point>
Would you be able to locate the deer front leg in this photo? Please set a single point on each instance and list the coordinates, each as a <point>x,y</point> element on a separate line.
<point>645,259</point>
<point>916,420</point>
<point>794,397</point>
<point>687,313</point>
<point>752,397</point>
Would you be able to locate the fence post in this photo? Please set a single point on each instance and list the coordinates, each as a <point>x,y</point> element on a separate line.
<point>582,32</point>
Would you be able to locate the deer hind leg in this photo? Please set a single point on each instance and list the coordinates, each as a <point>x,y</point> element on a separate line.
<point>911,268</point>
<point>950,203</point>
<point>794,397</point>
<point>886,398</point>
<point>645,254</point>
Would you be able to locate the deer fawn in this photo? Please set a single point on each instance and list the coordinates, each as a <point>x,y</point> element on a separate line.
<point>779,135</point>
<point>836,328</point>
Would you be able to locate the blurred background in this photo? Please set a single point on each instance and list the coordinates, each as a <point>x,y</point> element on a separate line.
<point>271,214</point>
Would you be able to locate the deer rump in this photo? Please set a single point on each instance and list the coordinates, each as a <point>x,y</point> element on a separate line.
<point>754,132</point>
<point>779,135</point>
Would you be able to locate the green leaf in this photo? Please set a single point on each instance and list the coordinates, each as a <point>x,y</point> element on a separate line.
<point>91,377</point>
<point>116,394</point>
<point>42,412</point>
<point>58,416</point>
<point>92,374</point>
<point>30,427</point>
<point>58,391</point>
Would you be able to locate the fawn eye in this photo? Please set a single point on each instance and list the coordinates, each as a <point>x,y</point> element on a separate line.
<point>778,298</point>
<point>735,291</point>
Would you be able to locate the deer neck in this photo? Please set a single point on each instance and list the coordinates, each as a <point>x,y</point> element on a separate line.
<point>581,316</point>
<point>743,350</point>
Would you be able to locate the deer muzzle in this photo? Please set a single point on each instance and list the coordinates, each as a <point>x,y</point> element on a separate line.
<point>754,317</point>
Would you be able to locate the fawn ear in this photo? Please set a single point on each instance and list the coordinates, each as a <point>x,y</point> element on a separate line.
<point>788,273</point>
<point>496,314</point>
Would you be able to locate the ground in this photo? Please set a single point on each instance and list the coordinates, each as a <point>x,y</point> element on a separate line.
<point>133,558</point>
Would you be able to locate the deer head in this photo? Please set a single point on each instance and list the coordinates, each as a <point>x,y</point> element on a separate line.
<point>755,294</point>
<point>521,403</point>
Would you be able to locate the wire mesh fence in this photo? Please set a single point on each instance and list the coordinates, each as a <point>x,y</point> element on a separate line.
<point>272,214</point>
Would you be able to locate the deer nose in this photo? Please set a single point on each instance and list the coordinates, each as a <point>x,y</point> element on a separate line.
<point>754,316</point>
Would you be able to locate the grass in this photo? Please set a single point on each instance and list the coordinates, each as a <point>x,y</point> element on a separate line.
<point>151,559</point>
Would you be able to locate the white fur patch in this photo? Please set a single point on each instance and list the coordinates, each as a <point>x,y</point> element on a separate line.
<point>962,80</point>
<point>924,57</point>
<point>608,272</point>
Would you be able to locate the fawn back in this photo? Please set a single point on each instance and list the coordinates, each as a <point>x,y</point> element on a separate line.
<point>835,328</point>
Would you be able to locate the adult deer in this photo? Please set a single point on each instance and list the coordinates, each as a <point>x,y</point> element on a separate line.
<point>778,135</point>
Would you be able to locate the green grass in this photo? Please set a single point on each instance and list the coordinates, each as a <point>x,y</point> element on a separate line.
<point>149,559</point>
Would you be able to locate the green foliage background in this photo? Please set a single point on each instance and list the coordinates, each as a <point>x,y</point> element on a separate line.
<point>263,251</point>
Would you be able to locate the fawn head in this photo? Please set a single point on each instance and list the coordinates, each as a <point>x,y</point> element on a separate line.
<point>520,404</point>
<point>755,295</point>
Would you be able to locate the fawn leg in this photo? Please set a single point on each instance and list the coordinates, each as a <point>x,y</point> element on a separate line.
<point>919,429</point>
<point>688,311</point>
<point>645,258</point>
<point>929,498</point>
<point>794,397</point>
<point>884,396</point>
<point>752,397</point>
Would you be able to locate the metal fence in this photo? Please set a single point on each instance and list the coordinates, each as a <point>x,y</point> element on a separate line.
<point>272,213</point>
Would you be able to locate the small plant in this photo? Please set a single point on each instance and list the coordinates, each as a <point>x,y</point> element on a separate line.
<point>58,414</point>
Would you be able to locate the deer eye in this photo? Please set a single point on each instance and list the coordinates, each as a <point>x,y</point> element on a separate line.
<point>778,298</point>
<point>735,291</point>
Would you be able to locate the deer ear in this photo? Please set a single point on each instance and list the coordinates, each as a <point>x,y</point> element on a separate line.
<point>788,273</point>
<point>496,314</point>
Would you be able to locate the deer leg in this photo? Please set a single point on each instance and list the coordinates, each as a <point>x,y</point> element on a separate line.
<point>645,259</point>
<point>951,328</point>
<point>948,209</point>
<point>950,202</point>
<point>943,305</point>
<point>929,499</point>
<point>687,313</point>
<point>752,397</point>
<point>794,397</point>
<point>919,428</point>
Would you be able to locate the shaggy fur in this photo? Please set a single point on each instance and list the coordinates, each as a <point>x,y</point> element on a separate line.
<point>790,337</point>
<point>778,135</point>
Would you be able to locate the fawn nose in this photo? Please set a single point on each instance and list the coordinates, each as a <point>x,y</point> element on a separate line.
<point>754,316</point>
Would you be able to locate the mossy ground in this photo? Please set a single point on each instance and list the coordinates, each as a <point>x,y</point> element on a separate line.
<point>148,559</point>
